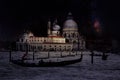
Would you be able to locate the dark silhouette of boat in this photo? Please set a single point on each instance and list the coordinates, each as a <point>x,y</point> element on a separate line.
<point>41,63</point>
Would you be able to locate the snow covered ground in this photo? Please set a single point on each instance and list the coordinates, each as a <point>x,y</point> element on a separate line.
<point>100,70</point>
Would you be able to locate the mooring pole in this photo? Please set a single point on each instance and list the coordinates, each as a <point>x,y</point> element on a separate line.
<point>81,54</point>
<point>104,56</point>
<point>92,54</point>
<point>10,54</point>
<point>26,52</point>
<point>33,54</point>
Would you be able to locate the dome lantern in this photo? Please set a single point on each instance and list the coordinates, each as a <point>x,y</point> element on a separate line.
<point>69,16</point>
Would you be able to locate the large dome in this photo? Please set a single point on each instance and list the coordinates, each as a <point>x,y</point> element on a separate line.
<point>70,24</point>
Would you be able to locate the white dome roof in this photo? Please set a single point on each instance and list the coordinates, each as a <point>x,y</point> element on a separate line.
<point>28,34</point>
<point>25,35</point>
<point>56,27</point>
<point>70,24</point>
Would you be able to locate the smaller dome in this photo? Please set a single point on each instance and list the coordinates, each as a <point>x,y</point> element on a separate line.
<point>28,34</point>
<point>56,27</point>
<point>25,35</point>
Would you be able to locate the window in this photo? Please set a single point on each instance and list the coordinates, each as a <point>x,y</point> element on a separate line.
<point>73,35</point>
<point>65,35</point>
<point>39,47</point>
<point>21,40</point>
<point>44,40</point>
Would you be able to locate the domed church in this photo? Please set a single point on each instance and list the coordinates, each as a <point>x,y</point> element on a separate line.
<point>69,40</point>
<point>70,30</point>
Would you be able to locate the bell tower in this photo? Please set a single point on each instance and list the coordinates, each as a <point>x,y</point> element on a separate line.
<point>49,27</point>
<point>56,29</point>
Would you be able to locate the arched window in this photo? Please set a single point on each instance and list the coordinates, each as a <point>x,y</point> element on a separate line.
<point>65,35</point>
<point>57,33</point>
<point>67,41</point>
<point>74,41</point>
<point>68,35</point>
<point>20,47</point>
<point>44,40</point>
<point>73,35</point>
<point>21,40</point>
<point>39,47</point>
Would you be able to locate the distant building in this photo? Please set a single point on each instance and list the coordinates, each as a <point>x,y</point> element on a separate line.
<point>68,40</point>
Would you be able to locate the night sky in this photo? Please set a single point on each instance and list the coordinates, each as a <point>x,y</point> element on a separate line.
<point>20,15</point>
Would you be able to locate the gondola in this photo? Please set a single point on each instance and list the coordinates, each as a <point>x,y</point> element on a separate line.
<point>46,64</point>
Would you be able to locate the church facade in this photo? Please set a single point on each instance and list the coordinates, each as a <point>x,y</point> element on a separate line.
<point>69,40</point>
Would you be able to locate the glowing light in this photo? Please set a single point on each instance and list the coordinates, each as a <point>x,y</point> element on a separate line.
<point>97,26</point>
